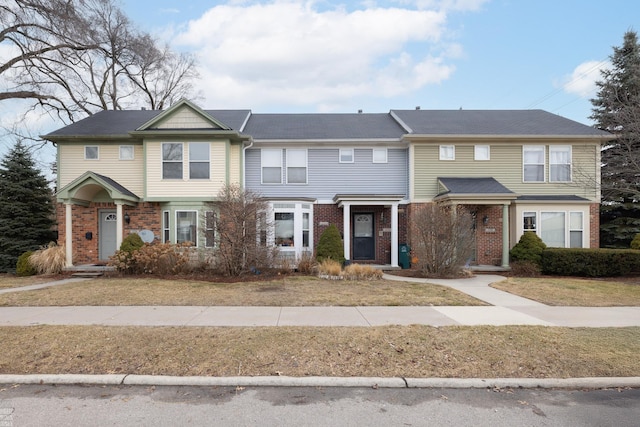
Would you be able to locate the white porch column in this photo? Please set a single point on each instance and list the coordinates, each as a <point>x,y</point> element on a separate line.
<point>346,229</point>
<point>394,235</point>
<point>119,226</point>
<point>505,235</point>
<point>68,235</point>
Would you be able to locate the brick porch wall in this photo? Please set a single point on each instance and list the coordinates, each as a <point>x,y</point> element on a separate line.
<point>86,219</point>
<point>594,224</point>
<point>332,214</point>
<point>488,236</point>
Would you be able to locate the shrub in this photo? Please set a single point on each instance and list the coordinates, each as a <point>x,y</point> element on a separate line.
<point>331,268</point>
<point>529,248</point>
<point>525,269</point>
<point>362,272</point>
<point>635,243</point>
<point>49,260</point>
<point>23,266</point>
<point>330,245</point>
<point>306,263</point>
<point>122,260</point>
<point>590,262</point>
<point>161,259</point>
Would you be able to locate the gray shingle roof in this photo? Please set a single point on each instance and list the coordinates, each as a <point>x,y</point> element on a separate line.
<point>558,198</point>
<point>323,126</point>
<point>492,122</point>
<point>121,122</point>
<point>113,183</point>
<point>473,186</point>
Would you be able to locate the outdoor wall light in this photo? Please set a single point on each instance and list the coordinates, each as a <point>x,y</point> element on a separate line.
<point>485,220</point>
<point>127,218</point>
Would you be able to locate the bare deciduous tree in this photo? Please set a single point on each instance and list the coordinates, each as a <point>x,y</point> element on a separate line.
<point>442,239</point>
<point>241,225</point>
<point>74,58</point>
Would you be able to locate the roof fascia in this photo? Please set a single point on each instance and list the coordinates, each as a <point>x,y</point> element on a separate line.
<point>416,138</point>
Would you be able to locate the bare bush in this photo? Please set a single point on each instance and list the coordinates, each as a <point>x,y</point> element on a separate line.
<point>442,239</point>
<point>306,263</point>
<point>241,229</point>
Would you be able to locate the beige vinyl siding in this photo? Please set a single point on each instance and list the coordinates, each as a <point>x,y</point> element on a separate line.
<point>234,164</point>
<point>185,187</point>
<point>184,119</point>
<point>505,165</point>
<point>128,173</point>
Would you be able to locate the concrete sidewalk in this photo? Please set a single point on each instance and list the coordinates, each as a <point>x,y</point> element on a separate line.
<point>506,309</point>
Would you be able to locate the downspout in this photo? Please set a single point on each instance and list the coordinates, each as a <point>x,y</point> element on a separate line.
<point>244,162</point>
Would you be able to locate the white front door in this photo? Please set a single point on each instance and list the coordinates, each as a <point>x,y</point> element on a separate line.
<point>107,234</point>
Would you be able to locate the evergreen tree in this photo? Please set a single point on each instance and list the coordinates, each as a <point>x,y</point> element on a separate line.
<point>617,110</point>
<point>26,207</point>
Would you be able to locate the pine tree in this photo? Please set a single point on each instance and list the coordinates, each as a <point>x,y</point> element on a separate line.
<point>617,110</point>
<point>26,207</point>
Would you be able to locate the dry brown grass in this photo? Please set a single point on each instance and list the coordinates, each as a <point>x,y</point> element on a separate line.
<point>393,351</point>
<point>288,291</point>
<point>49,260</point>
<point>564,291</point>
<point>13,281</point>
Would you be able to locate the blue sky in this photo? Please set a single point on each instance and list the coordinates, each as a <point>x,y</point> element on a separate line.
<point>292,56</point>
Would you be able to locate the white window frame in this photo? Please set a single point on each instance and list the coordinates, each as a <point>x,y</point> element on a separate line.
<point>200,161</point>
<point>125,148</point>
<point>264,153</point>
<point>195,224</point>
<point>170,161</point>
<point>383,155</point>
<point>573,229</point>
<point>97,152</point>
<point>482,152</point>
<point>447,152</point>
<point>299,210</point>
<point>209,228</point>
<point>290,159</point>
<point>166,226</point>
<point>534,224</point>
<point>346,155</point>
<point>542,226</point>
<point>560,148</point>
<point>533,148</point>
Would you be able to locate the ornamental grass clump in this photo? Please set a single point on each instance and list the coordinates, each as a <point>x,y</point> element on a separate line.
<point>49,260</point>
<point>330,268</point>
<point>362,272</point>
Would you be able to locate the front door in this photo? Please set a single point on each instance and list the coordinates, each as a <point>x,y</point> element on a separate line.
<point>107,236</point>
<point>364,245</point>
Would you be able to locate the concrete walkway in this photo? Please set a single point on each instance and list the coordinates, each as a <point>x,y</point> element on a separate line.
<point>506,309</point>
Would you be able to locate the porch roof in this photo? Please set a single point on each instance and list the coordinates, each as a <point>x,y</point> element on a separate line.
<point>368,199</point>
<point>83,189</point>
<point>481,190</point>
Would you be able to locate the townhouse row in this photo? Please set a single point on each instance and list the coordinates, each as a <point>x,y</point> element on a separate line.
<point>157,173</point>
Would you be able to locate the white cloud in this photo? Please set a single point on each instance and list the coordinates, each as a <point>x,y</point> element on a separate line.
<point>582,81</point>
<point>295,53</point>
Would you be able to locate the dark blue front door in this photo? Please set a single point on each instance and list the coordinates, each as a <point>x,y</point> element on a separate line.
<point>364,244</point>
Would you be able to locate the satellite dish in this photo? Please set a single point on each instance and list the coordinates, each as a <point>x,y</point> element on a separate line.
<point>146,236</point>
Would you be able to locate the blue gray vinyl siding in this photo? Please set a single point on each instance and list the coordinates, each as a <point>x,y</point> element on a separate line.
<point>326,176</point>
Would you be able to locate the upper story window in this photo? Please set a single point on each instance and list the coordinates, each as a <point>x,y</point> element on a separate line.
<point>91,152</point>
<point>346,155</point>
<point>126,152</point>
<point>296,166</point>
<point>533,163</point>
<point>560,163</point>
<point>199,160</point>
<point>447,152</point>
<point>171,160</point>
<point>481,152</point>
<point>271,160</point>
<point>379,155</point>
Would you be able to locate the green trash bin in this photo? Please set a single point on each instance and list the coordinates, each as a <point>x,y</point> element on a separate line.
<point>404,255</point>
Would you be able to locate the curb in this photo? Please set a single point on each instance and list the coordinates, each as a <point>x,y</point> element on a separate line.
<point>283,381</point>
